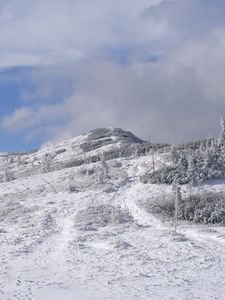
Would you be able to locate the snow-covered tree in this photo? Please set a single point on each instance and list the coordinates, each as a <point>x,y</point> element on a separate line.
<point>174,154</point>
<point>221,140</point>
<point>192,163</point>
<point>46,163</point>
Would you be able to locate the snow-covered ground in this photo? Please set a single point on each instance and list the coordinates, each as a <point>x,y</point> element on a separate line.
<point>96,241</point>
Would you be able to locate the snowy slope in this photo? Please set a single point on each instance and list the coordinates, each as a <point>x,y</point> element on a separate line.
<point>72,233</point>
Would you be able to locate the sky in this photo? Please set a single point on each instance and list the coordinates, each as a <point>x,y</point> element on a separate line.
<point>153,67</point>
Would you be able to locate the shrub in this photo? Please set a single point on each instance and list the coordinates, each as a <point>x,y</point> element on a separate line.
<point>165,175</point>
<point>72,188</point>
<point>101,215</point>
<point>204,208</point>
<point>92,145</point>
<point>160,205</point>
<point>200,208</point>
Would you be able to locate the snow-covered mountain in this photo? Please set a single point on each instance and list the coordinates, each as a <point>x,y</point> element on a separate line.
<point>84,149</point>
<point>77,222</point>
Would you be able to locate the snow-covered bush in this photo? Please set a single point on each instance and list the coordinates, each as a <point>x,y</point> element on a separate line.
<point>72,188</point>
<point>165,175</point>
<point>99,133</point>
<point>160,205</point>
<point>74,163</point>
<point>92,145</point>
<point>200,208</point>
<point>204,208</point>
<point>46,163</point>
<point>89,176</point>
<point>101,215</point>
<point>9,175</point>
<point>60,151</point>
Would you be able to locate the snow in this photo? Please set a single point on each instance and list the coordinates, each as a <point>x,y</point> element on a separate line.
<point>99,242</point>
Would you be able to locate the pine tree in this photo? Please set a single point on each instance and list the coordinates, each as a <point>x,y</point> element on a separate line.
<point>207,164</point>
<point>191,170</point>
<point>174,154</point>
<point>200,171</point>
<point>221,140</point>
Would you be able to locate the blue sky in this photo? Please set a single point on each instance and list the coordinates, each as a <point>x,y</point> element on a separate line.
<point>10,100</point>
<point>154,67</point>
<point>15,84</point>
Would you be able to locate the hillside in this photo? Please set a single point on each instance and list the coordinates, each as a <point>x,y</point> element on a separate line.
<point>85,149</point>
<point>77,222</point>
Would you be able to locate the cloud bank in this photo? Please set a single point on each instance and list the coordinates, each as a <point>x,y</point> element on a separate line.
<point>153,67</point>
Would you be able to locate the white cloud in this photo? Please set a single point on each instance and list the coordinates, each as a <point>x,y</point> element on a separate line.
<point>48,32</point>
<point>21,118</point>
<point>179,96</point>
<point>30,118</point>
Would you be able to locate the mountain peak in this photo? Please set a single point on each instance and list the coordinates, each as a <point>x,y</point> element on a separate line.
<point>100,133</point>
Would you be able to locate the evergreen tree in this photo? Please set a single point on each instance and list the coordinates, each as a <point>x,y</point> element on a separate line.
<point>174,154</point>
<point>221,140</point>
<point>191,171</point>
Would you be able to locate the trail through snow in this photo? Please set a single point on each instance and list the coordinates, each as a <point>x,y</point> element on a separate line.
<point>99,243</point>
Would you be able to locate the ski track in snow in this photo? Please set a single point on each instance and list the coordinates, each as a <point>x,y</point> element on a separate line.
<point>47,254</point>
